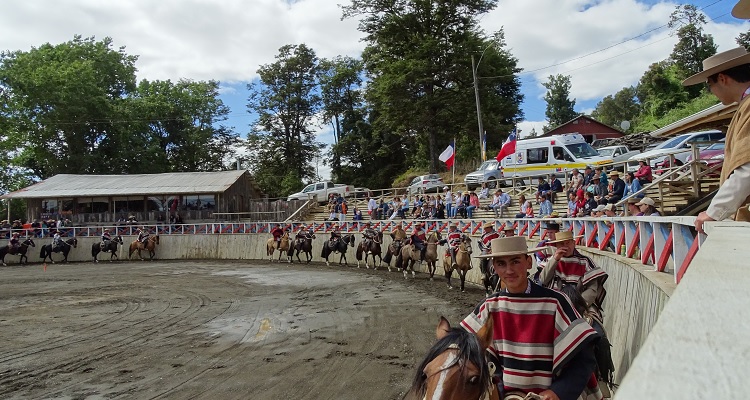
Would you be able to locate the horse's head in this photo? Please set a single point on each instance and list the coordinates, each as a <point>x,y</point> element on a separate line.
<point>29,242</point>
<point>455,367</point>
<point>73,242</point>
<point>118,239</point>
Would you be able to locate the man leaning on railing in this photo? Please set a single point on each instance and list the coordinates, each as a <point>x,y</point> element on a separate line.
<point>727,76</point>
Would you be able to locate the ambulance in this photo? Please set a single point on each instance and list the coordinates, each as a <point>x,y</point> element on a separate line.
<point>546,155</point>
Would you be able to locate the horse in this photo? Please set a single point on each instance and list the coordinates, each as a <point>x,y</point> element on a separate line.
<point>373,250</point>
<point>339,246</point>
<point>431,254</point>
<point>111,247</point>
<point>304,244</point>
<point>394,249</point>
<point>63,246</point>
<point>410,255</point>
<point>463,261</point>
<point>5,250</point>
<point>491,281</point>
<point>456,366</point>
<point>282,246</point>
<point>150,245</point>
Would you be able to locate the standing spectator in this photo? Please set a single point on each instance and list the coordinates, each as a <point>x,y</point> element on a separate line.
<point>542,188</point>
<point>545,207</point>
<point>372,207</point>
<point>448,201</point>
<point>473,204</point>
<point>644,174</point>
<point>632,185</point>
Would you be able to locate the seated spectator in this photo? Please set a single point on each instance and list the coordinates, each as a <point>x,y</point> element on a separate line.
<point>602,175</point>
<point>501,201</point>
<point>473,204</point>
<point>485,192</point>
<point>618,189</point>
<point>404,208</point>
<point>589,205</point>
<point>632,185</point>
<point>633,209</point>
<point>460,204</point>
<point>574,182</point>
<point>555,186</point>
<point>357,214</point>
<point>610,210</point>
<point>644,174</point>
<point>542,188</point>
<point>647,206</point>
<point>598,211</point>
<point>439,212</point>
<point>523,205</point>
<point>545,207</point>
<point>572,208</point>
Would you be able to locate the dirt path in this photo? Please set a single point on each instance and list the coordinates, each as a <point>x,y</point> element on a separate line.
<point>216,330</point>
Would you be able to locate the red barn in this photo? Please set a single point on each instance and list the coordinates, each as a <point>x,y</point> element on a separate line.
<point>590,128</point>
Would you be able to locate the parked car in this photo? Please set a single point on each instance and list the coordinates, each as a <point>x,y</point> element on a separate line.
<point>620,153</point>
<point>490,172</point>
<point>362,192</point>
<point>678,146</point>
<point>321,191</point>
<point>424,184</point>
<point>711,156</point>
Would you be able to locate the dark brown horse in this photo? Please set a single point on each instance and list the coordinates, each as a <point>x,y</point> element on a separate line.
<point>21,251</point>
<point>110,247</point>
<point>150,246</point>
<point>303,243</point>
<point>374,248</point>
<point>456,368</point>
<point>64,248</point>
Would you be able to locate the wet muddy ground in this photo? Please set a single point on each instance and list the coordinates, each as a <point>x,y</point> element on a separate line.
<point>216,330</point>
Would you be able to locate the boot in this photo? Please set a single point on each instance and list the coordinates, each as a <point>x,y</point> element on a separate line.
<point>453,259</point>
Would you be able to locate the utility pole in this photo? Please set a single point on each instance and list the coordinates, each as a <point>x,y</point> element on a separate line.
<point>479,108</point>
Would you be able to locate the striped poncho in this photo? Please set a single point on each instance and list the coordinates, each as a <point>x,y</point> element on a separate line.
<point>535,335</point>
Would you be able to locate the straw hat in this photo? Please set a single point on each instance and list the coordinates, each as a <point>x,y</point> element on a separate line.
<point>633,200</point>
<point>488,225</point>
<point>563,236</point>
<point>741,9</point>
<point>646,200</point>
<point>718,63</point>
<point>614,173</point>
<point>509,246</point>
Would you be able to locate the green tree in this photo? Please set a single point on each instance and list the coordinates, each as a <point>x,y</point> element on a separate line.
<point>743,39</point>
<point>623,106</point>
<point>418,59</point>
<point>62,101</point>
<point>693,45</point>
<point>660,89</point>
<point>286,102</point>
<point>560,108</point>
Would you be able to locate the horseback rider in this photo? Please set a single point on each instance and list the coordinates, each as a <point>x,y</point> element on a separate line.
<point>453,240</point>
<point>14,243</point>
<point>143,235</point>
<point>56,240</point>
<point>369,235</point>
<point>488,235</point>
<point>417,239</point>
<point>398,235</point>
<point>335,236</point>
<point>277,233</point>
<point>106,238</point>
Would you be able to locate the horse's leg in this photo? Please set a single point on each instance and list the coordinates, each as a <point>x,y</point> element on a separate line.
<point>448,274</point>
<point>462,274</point>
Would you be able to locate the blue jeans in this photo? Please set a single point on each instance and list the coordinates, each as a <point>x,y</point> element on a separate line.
<point>470,211</point>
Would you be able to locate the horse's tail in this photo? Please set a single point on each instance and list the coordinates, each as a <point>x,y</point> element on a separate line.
<point>43,252</point>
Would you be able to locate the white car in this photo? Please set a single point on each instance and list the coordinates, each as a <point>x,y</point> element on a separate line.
<point>424,184</point>
<point>679,146</point>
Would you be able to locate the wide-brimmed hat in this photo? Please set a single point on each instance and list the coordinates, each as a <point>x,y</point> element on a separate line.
<point>552,226</point>
<point>741,9</point>
<point>718,63</point>
<point>633,200</point>
<point>614,173</point>
<point>646,200</point>
<point>509,246</point>
<point>563,236</point>
<point>488,225</point>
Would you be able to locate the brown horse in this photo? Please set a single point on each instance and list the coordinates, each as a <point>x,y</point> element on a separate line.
<point>456,367</point>
<point>410,255</point>
<point>150,245</point>
<point>282,246</point>
<point>463,261</point>
<point>431,254</point>
<point>374,249</point>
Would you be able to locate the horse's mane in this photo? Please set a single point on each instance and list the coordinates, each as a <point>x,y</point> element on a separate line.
<point>469,349</point>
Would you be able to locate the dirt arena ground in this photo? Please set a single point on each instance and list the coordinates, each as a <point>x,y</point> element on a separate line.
<point>216,330</point>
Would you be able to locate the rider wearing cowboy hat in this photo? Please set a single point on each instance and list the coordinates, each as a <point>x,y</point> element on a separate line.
<point>549,350</point>
<point>369,235</point>
<point>14,242</point>
<point>143,235</point>
<point>453,240</point>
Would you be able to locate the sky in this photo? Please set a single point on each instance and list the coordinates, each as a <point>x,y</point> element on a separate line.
<point>603,45</point>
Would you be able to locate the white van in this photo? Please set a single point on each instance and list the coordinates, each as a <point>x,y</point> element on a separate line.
<point>551,154</point>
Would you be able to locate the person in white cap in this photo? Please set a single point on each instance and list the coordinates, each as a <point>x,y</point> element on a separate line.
<point>727,76</point>
<point>647,206</point>
<point>541,342</point>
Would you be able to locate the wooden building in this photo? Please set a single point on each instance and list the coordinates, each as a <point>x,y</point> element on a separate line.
<point>588,127</point>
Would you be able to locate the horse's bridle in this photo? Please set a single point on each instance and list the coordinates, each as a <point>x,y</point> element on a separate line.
<point>490,366</point>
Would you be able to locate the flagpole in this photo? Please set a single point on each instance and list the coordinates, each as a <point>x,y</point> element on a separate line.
<point>453,179</point>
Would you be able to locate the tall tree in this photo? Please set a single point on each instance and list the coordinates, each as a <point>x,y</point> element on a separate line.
<point>693,45</point>
<point>560,108</point>
<point>283,142</point>
<point>63,101</point>
<point>418,57</point>
<point>743,39</point>
<point>623,106</point>
<point>660,89</point>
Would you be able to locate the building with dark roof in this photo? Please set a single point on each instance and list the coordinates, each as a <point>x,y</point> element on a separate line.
<point>588,127</point>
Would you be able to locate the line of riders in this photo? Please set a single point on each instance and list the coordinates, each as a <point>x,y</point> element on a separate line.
<point>14,242</point>
<point>566,270</point>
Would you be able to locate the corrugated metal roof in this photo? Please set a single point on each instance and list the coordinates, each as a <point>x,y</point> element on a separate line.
<point>65,185</point>
<point>716,117</point>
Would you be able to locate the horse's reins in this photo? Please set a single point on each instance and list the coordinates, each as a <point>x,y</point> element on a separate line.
<point>490,365</point>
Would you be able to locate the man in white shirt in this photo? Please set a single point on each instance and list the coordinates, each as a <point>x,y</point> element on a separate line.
<point>372,206</point>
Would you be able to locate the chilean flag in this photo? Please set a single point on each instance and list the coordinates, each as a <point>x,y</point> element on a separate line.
<point>509,147</point>
<point>448,156</point>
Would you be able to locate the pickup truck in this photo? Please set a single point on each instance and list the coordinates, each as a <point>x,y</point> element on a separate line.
<point>321,190</point>
<point>490,172</point>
